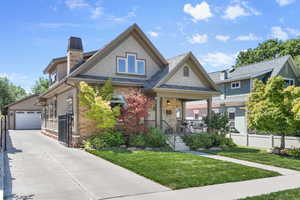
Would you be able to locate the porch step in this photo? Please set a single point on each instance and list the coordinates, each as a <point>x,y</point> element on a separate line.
<point>179,144</point>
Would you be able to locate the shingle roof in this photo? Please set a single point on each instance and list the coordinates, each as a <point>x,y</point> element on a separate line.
<point>252,70</point>
<point>175,60</point>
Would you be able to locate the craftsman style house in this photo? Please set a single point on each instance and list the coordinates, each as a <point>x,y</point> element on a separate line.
<point>236,84</point>
<point>131,61</point>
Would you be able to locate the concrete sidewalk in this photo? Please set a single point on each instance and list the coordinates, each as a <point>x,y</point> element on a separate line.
<point>40,168</point>
<point>226,191</point>
<point>282,171</point>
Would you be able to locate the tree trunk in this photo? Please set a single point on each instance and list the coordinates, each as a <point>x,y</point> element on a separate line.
<point>282,145</point>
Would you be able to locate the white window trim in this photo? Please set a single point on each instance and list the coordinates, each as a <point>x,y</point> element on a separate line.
<point>135,66</point>
<point>51,75</point>
<point>231,84</point>
<point>121,58</point>
<point>290,79</point>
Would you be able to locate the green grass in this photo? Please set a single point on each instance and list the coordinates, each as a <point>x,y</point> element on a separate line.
<point>179,170</point>
<point>282,195</point>
<point>259,156</point>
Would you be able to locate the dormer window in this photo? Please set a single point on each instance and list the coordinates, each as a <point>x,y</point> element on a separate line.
<point>186,71</point>
<point>53,77</point>
<point>235,85</point>
<point>131,65</point>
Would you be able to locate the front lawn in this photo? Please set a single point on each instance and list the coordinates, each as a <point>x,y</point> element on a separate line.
<point>282,195</point>
<point>179,170</point>
<point>259,156</point>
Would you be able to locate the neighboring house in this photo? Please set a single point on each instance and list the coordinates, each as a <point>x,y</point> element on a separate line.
<point>131,61</point>
<point>236,84</point>
<point>24,114</point>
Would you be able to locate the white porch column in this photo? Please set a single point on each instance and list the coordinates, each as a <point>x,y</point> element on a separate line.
<point>209,110</point>
<point>158,112</point>
<point>183,110</point>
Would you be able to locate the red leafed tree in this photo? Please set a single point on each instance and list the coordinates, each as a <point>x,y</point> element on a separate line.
<point>135,110</point>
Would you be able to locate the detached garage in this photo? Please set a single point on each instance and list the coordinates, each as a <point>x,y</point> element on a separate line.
<point>25,114</point>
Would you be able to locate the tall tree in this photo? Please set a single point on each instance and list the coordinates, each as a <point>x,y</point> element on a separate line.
<point>268,50</point>
<point>272,108</point>
<point>41,86</point>
<point>9,93</point>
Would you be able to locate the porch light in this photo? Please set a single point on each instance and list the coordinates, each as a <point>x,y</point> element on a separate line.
<point>168,102</point>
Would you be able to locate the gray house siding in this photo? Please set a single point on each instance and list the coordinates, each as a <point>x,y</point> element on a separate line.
<point>221,87</point>
<point>244,88</point>
<point>287,72</point>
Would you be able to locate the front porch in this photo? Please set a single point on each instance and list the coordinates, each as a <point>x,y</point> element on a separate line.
<point>169,113</point>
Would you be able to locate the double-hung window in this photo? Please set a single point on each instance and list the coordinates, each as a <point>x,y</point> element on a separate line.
<point>235,85</point>
<point>131,65</point>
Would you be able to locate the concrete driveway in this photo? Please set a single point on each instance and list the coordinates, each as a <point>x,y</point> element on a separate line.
<point>37,167</point>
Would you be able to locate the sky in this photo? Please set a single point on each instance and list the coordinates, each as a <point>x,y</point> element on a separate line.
<point>35,31</point>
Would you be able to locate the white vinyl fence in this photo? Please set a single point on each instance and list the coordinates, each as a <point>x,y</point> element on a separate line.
<point>266,141</point>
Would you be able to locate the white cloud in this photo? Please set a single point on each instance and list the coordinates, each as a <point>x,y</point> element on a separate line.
<point>241,8</point>
<point>233,12</point>
<point>278,33</point>
<point>76,3</point>
<point>96,12</point>
<point>293,32</point>
<point>201,11</point>
<point>285,2</point>
<point>218,59</point>
<point>249,37</point>
<point>222,38</point>
<point>198,39</point>
<point>153,33</point>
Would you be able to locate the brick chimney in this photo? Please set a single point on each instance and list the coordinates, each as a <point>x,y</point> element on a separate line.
<point>74,52</point>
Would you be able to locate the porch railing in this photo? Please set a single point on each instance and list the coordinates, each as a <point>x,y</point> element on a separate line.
<point>169,131</point>
<point>191,126</point>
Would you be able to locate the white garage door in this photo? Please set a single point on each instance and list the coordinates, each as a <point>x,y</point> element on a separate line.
<point>28,120</point>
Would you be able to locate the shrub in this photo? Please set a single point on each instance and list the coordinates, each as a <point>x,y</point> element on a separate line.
<point>137,140</point>
<point>155,138</point>
<point>229,143</point>
<point>112,138</point>
<point>207,140</point>
<point>104,140</point>
<point>293,152</point>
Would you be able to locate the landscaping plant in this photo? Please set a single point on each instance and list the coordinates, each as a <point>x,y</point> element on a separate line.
<point>293,152</point>
<point>97,102</point>
<point>154,138</point>
<point>208,140</point>
<point>274,108</point>
<point>137,140</point>
<point>135,111</point>
<point>106,139</point>
<point>219,122</point>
